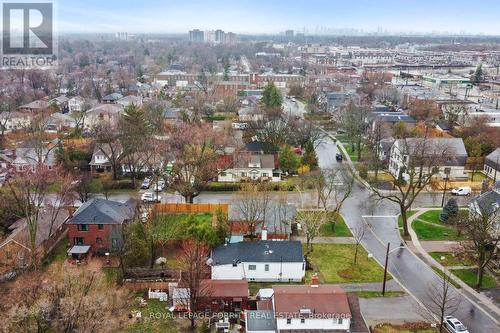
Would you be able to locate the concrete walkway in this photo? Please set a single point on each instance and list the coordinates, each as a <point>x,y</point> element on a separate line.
<point>327,240</point>
<point>422,253</point>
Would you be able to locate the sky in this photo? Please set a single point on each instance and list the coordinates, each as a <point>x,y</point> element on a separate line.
<point>275,16</point>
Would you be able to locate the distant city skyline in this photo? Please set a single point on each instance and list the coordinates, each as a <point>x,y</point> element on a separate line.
<point>273,17</point>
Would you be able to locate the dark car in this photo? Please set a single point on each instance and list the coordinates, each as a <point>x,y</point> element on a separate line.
<point>338,157</point>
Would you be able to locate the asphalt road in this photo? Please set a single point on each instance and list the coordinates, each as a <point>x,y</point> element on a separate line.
<point>406,267</point>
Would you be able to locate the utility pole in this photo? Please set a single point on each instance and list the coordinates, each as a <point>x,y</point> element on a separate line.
<point>385,268</point>
<point>447,173</point>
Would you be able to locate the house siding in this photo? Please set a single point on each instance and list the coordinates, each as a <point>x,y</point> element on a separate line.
<point>107,234</point>
<point>290,271</point>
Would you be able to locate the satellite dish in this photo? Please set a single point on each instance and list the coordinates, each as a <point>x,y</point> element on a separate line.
<point>209,261</point>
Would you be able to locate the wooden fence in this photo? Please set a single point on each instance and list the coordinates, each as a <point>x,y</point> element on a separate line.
<point>169,208</point>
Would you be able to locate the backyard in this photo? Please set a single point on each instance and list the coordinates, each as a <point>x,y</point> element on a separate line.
<point>335,264</point>
<point>155,317</point>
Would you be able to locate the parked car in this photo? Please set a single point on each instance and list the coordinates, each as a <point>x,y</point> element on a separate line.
<point>454,325</point>
<point>150,197</point>
<point>146,183</point>
<point>158,187</point>
<point>339,157</point>
<point>461,191</point>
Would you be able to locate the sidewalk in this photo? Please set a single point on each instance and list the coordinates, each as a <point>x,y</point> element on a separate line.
<point>327,240</point>
<point>465,290</point>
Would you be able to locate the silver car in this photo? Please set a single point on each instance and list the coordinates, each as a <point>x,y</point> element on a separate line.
<point>454,325</point>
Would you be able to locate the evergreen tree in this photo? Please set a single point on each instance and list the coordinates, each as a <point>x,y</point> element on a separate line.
<point>271,96</point>
<point>310,157</point>
<point>289,161</point>
<point>478,75</point>
<point>449,210</point>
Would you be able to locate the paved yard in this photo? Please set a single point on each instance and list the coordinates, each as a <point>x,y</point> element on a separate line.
<point>439,246</point>
<point>394,310</point>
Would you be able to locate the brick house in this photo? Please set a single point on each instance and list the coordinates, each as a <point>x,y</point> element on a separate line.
<point>98,223</point>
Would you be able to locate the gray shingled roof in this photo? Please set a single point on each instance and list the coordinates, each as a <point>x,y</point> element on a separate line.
<point>260,320</point>
<point>454,146</point>
<point>102,211</point>
<point>258,251</point>
<point>488,201</point>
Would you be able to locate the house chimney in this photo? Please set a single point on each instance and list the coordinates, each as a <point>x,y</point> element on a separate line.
<point>314,281</point>
<point>263,234</point>
<point>14,154</point>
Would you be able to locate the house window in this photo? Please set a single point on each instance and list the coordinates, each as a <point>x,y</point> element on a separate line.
<point>98,240</point>
<point>252,267</point>
<point>243,174</point>
<point>266,267</point>
<point>340,321</point>
<point>264,174</point>
<point>83,227</point>
<point>114,242</point>
<point>288,320</point>
<point>100,226</point>
<point>223,174</point>
<point>78,240</point>
<point>302,320</point>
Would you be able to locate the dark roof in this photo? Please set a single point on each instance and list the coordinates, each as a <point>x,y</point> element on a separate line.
<point>260,320</point>
<point>493,159</point>
<point>258,251</point>
<point>488,202</point>
<point>259,146</point>
<point>225,288</point>
<point>102,211</point>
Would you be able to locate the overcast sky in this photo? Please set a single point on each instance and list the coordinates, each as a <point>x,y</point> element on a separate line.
<point>273,16</point>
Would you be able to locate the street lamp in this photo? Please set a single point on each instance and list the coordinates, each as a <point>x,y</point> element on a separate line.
<point>386,262</point>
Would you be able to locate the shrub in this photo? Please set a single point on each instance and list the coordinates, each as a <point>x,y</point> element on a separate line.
<point>450,210</point>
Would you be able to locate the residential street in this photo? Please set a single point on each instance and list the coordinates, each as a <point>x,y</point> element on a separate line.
<point>406,267</point>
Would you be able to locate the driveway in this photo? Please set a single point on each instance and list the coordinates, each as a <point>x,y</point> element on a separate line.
<point>394,310</point>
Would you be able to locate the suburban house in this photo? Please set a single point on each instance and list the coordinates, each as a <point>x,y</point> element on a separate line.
<point>15,250</point>
<point>61,102</point>
<point>35,106</point>
<point>311,308</point>
<point>390,119</point>
<point>98,223</point>
<point>449,153</point>
<point>489,203</point>
<point>252,167</point>
<point>100,162</point>
<point>112,98</point>
<point>129,100</point>
<point>492,164</point>
<point>59,121</point>
<point>103,112</point>
<point>261,260</point>
<point>75,104</point>
<point>260,321</point>
<point>250,114</point>
<point>23,159</point>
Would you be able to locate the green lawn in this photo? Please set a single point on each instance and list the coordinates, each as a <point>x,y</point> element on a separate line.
<point>341,229</point>
<point>335,263</point>
<point>441,274</point>
<point>428,231</point>
<point>450,259</point>
<point>371,293</point>
<point>469,277</point>
<point>434,229</point>
<point>170,225</point>
<point>155,318</point>
<point>59,254</point>
<point>254,287</point>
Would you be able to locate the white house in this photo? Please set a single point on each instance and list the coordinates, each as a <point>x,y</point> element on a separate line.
<point>15,120</point>
<point>261,260</point>
<point>75,104</point>
<point>448,154</point>
<point>492,165</point>
<point>251,167</point>
<point>311,308</point>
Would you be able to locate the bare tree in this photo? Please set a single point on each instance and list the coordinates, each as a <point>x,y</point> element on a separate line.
<point>106,137</point>
<point>193,263</point>
<point>420,161</point>
<point>311,221</point>
<point>481,236</point>
<point>252,204</point>
<point>441,300</point>
<point>358,235</point>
